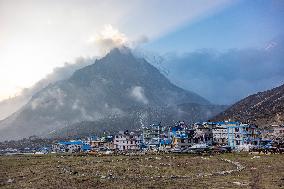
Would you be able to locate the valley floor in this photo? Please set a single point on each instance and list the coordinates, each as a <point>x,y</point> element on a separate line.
<point>241,170</point>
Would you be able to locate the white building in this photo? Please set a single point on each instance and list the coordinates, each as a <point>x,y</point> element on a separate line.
<point>241,135</point>
<point>203,133</point>
<point>234,134</point>
<point>72,146</point>
<point>151,136</point>
<point>127,141</point>
<point>69,147</point>
<point>220,135</point>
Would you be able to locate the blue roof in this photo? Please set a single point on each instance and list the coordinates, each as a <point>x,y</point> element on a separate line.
<point>183,135</point>
<point>166,141</point>
<point>176,128</point>
<point>86,147</point>
<point>44,148</point>
<point>179,135</point>
<point>70,142</point>
<point>227,122</point>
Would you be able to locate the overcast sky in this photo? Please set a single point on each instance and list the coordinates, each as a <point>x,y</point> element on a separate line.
<point>38,35</point>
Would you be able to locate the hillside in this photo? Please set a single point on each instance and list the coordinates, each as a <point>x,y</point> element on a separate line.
<point>140,116</point>
<point>263,109</point>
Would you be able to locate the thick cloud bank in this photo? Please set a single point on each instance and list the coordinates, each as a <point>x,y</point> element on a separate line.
<point>225,78</point>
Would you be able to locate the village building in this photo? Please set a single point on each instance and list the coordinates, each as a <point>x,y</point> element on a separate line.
<point>220,135</point>
<point>242,134</point>
<point>165,144</point>
<point>275,133</point>
<point>180,138</point>
<point>234,134</point>
<point>127,141</point>
<point>71,146</point>
<point>165,139</point>
<point>152,135</point>
<point>220,132</point>
<point>101,143</point>
<point>203,133</point>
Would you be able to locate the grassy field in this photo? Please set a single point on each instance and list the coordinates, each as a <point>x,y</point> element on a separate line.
<point>145,171</point>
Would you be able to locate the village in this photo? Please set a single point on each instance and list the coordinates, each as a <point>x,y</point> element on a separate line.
<point>207,155</point>
<point>205,137</point>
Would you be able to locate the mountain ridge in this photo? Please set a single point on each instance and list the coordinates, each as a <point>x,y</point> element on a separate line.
<point>263,108</point>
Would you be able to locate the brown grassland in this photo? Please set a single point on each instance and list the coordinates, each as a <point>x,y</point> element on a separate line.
<point>235,170</point>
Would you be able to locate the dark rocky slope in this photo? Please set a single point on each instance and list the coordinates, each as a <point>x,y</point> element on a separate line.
<point>263,109</point>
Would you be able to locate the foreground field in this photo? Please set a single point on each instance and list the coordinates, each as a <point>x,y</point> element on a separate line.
<point>146,171</point>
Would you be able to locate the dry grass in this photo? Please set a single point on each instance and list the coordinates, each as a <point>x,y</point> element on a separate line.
<point>148,171</point>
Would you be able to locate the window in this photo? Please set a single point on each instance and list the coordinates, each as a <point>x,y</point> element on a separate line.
<point>236,129</point>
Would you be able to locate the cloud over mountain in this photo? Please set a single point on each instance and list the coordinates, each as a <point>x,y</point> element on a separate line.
<point>228,76</point>
<point>108,38</point>
<point>119,86</point>
<point>137,93</point>
<point>11,105</point>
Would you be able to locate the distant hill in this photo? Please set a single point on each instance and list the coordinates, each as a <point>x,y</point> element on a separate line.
<point>117,87</point>
<point>263,109</point>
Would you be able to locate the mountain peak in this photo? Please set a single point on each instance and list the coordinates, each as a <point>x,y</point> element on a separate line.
<point>120,51</point>
<point>117,85</point>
